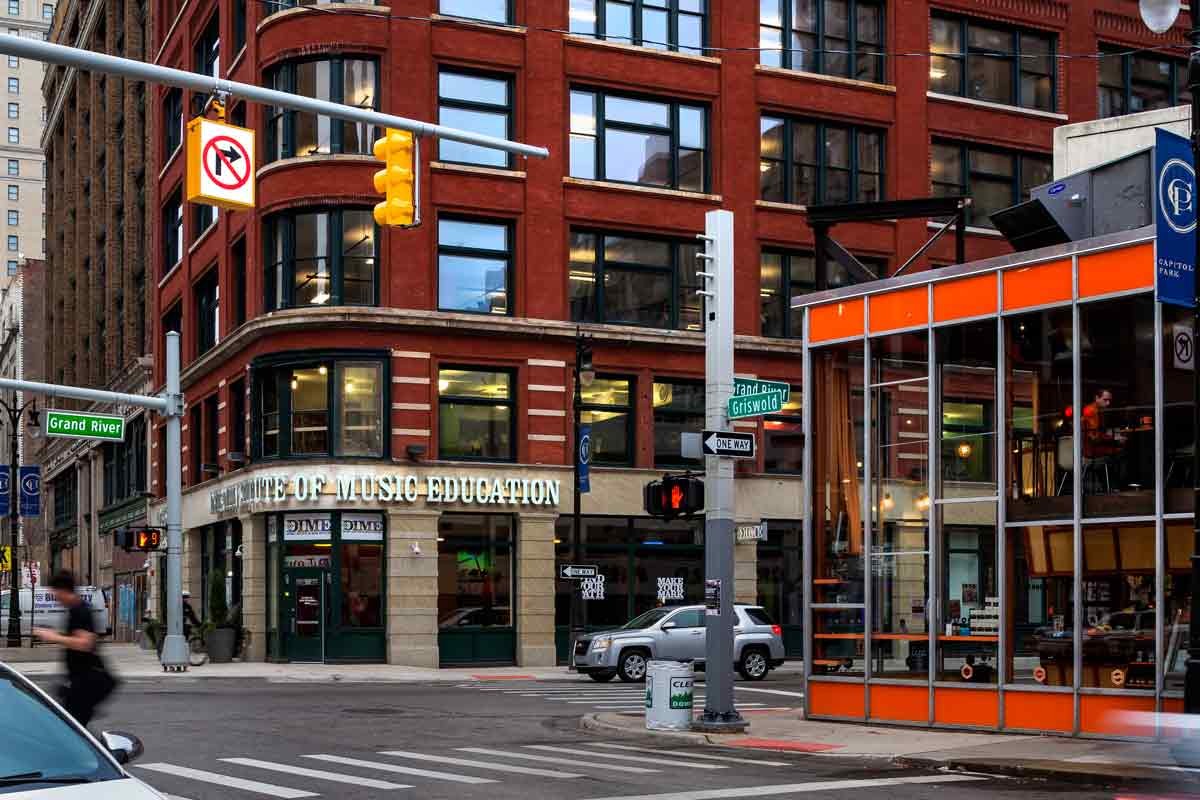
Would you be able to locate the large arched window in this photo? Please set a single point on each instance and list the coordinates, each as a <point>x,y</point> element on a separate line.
<point>320,257</point>
<point>340,79</point>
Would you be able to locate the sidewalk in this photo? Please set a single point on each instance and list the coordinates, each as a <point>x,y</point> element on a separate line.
<point>1061,758</point>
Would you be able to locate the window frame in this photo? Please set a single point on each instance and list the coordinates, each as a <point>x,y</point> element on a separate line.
<point>602,126</point>
<point>796,418</point>
<point>279,365</point>
<point>1015,32</point>
<point>510,403</point>
<point>818,54</point>
<point>509,13</point>
<point>1177,87</point>
<point>630,411</point>
<point>334,256</point>
<point>676,460</point>
<point>510,257</point>
<point>286,72</point>
<point>172,227</point>
<point>637,8</point>
<point>172,106</point>
<point>823,126</point>
<point>510,110</point>
<point>786,282</point>
<point>208,309</point>
<point>964,189</point>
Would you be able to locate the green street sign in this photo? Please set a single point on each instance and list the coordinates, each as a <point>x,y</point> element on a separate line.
<point>747,386</point>
<point>84,425</point>
<point>753,405</point>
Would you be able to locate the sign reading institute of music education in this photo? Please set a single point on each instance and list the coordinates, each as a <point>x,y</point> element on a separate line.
<point>270,490</point>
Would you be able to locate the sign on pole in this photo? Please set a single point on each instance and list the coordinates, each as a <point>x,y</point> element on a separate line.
<point>81,425</point>
<point>1174,220</point>
<point>574,572</point>
<point>753,405</point>
<point>747,386</point>
<point>728,444</point>
<point>5,489</point>
<point>752,533</point>
<point>1183,346</point>
<point>5,558</point>
<point>584,453</point>
<point>31,491</point>
<point>220,168</point>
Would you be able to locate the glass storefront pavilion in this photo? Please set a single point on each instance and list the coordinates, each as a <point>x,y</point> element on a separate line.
<point>998,519</point>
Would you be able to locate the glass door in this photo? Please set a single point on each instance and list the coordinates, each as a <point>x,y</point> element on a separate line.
<point>307,628</point>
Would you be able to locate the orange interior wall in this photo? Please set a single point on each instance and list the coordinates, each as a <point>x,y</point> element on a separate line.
<point>963,298</point>
<point>837,700</point>
<point>1110,716</point>
<point>1039,711</point>
<point>900,703</point>
<point>1025,287</point>
<point>835,321</point>
<point>1117,270</point>
<point>966,707</point>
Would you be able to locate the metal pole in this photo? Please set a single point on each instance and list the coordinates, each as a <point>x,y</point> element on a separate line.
<point>719,711</point>
<point>175,650</point>
<point>14,521</point>
<point>1191,700</point>
<point>576,585</point>
<point>113,65</point>
<point>81,393</point>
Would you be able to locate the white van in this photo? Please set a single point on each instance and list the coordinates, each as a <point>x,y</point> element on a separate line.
<point>48,613</point>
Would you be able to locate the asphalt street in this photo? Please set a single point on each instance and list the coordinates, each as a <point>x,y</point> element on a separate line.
<point>207,739</point>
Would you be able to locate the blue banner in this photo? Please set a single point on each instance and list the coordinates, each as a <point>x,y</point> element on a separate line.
<point>5,489</point>
<point>583,453</point>
<point>1174,220</point>
<point>31,491</point>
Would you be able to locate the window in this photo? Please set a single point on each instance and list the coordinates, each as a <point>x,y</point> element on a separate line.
<point>237,420</point>
<point>651,142</point>
<point>14,7</point>
<point>66,498</point>
<point>14,85</point>
<point>1133,82</point>
<point>14,244</point>
<point>14,217</point>
<point>47,11</point>
<point>318,258</point>
<point>208,49</point>
<point>1001,64</point>
<point>607,405</point>
<point>678,409</point>
<point>476,414</point>
<point>658,24</point>
<point>14,192</point>
<point>486,10</point>
<point>833,37</point>
<point>14,110</point>
<point>479,104</point>
<point>14,62</point>
<point>12,268</point>
<point>783,275</point>
<point>634,280</point>
<point>14,135</point>
<point>14,167</point>
<point>239,25</point>
<point>172,121</point>
<point>173,231</point>
<point>806,161</point>
<point>173,321</point>
<point>353,81</point>
<point>476,559</point>
<point>320,406</point>
<point>474,264</point>
<point>204,217</point>
<point>238,283</point>
<point>208,311</point>
<point>125,464</point>
<point>993,179</point>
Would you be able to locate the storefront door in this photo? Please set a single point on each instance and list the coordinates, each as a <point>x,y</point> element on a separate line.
<point>307,640</point>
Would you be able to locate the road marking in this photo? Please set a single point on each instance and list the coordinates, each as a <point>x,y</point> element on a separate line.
<point>173,797</point>
<point>227,781</point>
<point>574,762</point>
<point>703,756</point>
<point>770,691</point>
<point>303,772</point>
<point>379,765</point>
<point>578,751</point>
<point>795,788</point>
<point>492,765</point>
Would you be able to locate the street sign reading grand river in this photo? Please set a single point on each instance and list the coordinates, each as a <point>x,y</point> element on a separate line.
<point>83,425</point>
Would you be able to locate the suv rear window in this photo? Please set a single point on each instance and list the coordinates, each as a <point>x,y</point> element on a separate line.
<point>759,616</point>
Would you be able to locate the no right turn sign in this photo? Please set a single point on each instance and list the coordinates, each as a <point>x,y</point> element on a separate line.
<point>1183,346</point>
<point>220,169</point>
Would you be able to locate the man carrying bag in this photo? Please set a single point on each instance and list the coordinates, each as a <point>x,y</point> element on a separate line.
<point>89,683</point>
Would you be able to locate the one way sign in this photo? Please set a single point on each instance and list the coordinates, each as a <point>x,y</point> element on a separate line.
<point>220,169</point>
<point>727,443</point>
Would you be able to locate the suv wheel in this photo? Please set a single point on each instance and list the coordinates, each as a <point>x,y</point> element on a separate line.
<point>753,665</point>
<point>632,666</point>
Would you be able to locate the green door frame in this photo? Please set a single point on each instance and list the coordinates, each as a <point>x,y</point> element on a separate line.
<point>302,582</point>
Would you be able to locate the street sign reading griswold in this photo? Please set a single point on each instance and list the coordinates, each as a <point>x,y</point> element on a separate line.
<point>81,425</point>
<point>727,443</point>
<point>753,405</point>
<point>572,572</point>
<point>747,386</point>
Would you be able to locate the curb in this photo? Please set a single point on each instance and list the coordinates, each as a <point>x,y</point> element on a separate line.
<point>1091,774</point>
<point>592,722</point>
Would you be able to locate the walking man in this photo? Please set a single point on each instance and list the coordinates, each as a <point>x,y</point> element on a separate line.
<point>88,681</point>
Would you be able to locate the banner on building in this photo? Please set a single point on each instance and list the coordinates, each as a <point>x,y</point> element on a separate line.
<point>31,491</point>
<point>1174,220</point>
<point>583,452</point>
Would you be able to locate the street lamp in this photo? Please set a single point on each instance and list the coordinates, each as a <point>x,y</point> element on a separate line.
<point>14,413</point>
<point>585,373</point>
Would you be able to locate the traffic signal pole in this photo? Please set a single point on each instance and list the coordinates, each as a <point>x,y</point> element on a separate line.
<point>114,65</point>
<point>720,715</point>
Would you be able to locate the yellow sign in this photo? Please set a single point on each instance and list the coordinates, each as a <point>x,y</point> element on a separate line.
<point>220,164</point>
<point>5,559</point>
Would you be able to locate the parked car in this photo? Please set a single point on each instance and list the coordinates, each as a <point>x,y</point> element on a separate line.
<point>51,755</point>
<point>47,613</point>
<point>677,633</point>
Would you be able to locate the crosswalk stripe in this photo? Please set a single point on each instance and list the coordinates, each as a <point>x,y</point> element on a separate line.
<point>227,781</point>
<point>770,691</point>
<point>703,756</point>
<point>795,788</point>
<point>578,751</point>
<point>492,765</point>
<point>319,774</point>
<point>574,762</point>
<point>383,767</point>
<point>174,797</point>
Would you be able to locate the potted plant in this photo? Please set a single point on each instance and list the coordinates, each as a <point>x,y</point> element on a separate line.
<point>152,633</point>
<point>222,636</point>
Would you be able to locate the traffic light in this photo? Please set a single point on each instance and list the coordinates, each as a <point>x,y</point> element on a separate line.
<point>143,539</point>
<point>398,181</point>
<point>674,496</point>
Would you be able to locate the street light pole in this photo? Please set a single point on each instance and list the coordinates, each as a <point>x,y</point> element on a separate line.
<point>584,375</point>
<point>1192,678</point>
<point>14,521</point>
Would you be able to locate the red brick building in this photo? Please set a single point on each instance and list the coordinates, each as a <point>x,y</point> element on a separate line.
<point>316,347</point>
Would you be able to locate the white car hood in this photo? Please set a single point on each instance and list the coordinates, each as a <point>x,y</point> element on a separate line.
<point>124,789</point>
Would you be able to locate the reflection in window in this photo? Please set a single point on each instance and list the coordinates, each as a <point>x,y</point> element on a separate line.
<point>207,292</point>
<point>809,162</point>
<point>969,630</point>
<point>475,414</point>
<point>486,10</point>
<point>1002,64</point>
<point>607,405</point>
<point>475,567</point>
<point>657,24</point>
<point>320,258</point>
<point>340,80</point>
<point>649,142</point>
<point>967,374</point>
<point>362,571</point>
<point>172,222</point>
<point>834,37</point>
<point>783,437</point>
<point>780,582</point>
<point>474,262</point>
<point>1176,425</point>
<point>678,409</point>
<point>1177,593</point>
<point>480,104</point>
<point>362,396</point>
<point>1041,564</point>
<point>310,411</point>
<point>993,179</point>
<point>784,275</point>
<point>1133,82</point>
<point>634,280</point>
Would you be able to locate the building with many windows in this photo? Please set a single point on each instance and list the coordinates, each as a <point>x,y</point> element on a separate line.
<point>378,435</point>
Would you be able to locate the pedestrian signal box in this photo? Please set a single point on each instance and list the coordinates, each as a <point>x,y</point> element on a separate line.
<point>139,539</point>
<point>674,496</point>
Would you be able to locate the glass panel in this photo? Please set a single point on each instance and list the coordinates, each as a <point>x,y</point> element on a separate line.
<point>1177,426</point>
<point>637,112</point>
<point>631,250</point>
<point>691,33</point>
<point>362,585</point>
<point>469,383</point>
<point>583,112</point>
<point>269,399</point>
<point>654,29</point>
<point>899,586</point>
<point>488,10</point>
<point>583,157</point>
<point>582,276</point>
<point>583,17</point>
<point>312,133</point>
<point>678,408</point>
<point>475,568</point>
<point>311,268</point>
<point>770,42</point>
<point>472,284</point>
<point>474,431</point>
<point>783,437</point>
<point>967,377</point>
<point>473,88</point>
<point>361,401</point>
<point>636,157</point>
<point>668,563</point>
<point>780,577</point>
<point>1034,172</point>
<point>836,60</point>
<point>772,300</point>
<point>1042,606</point>
<point>618,21</point>
<point>489,123</point>
<point>606,408</point>
<point>969,628</point>
<point>358,258</point>
<point>1117,419</point>
<point>358,89</point>
<point>310,410</point>
<point>636,297</point>
<point>945,72</point>
<point>1177,592</point>
<point>1037,71</point>
<point>691,127</point>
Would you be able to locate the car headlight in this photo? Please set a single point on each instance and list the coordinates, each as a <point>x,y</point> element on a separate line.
<point>601,644</point>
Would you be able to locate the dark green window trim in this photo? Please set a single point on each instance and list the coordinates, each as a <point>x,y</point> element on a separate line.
<point>335,257</point>
<point>1178,86</point>
<point>1019,187</point>
<point>674,9</point>
<point>281,140</point>
<point>789,165</point>
<point>508,255</point>
<point>1013,54</point>
<point>789,58</point>
<point>487,108</point>
<point>630,412</point>
<point>467,400</point>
